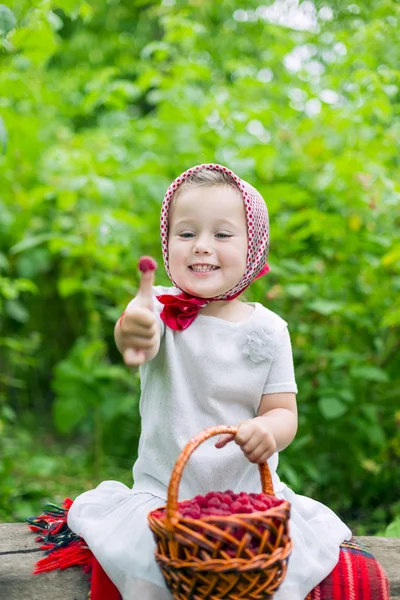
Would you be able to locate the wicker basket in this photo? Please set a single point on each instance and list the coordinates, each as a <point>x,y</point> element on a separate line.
<point>192,553</point>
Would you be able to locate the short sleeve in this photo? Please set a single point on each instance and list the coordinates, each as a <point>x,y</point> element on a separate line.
<point>157,306</point>
<point>281,374</point>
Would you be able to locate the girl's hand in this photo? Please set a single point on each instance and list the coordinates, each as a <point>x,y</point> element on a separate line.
<point>138,329</point>
<point>254,438</point>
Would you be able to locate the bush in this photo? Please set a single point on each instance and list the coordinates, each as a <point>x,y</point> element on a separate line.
<point>103,105</point>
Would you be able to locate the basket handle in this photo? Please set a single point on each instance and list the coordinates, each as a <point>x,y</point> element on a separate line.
<point>172,501</point>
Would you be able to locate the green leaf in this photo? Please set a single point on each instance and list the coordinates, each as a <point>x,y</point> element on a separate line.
<point>371,425</point>
<point>37,41</point>
<point>297,290</point>
<point>393,530</point>
<point>70,7</point>
<point>369,373</point>
<point>55,21</point>
<point>371,411</point>
<point>67,286</point>
<point>31,242</point>
<point>8,413</point>
<point>157,48</point>
<point>290,475</point>
<point>68,413</point>
<point>43,466</point>
<point>325,307</point>
<point>3,136</point>
<point>7,20</point>
<point>31,264</point>
<point>392,317</point>
<point>346,394</point>
<point>17,311</point>
<point>332,408</point>
<point>3,262</point>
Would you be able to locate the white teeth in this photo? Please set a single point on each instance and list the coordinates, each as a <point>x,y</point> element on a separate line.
<point>203,268</point>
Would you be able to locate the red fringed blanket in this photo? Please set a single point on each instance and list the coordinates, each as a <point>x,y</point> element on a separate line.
<point>357,576</point>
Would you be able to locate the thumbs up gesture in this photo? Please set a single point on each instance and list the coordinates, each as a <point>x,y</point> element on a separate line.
<point>137,333</point>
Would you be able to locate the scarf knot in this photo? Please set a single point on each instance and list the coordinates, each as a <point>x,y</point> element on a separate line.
<point>180,310</point>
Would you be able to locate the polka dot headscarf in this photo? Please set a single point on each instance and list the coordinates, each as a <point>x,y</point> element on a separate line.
<point>257,228</point>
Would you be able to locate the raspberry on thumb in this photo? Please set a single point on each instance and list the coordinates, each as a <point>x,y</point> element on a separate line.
<point>147,263</point>
<point>147,266</point>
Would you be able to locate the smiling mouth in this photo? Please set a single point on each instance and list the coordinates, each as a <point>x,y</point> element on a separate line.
<point>203,268</point>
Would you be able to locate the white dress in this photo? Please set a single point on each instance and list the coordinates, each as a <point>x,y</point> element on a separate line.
<point>213,373</point>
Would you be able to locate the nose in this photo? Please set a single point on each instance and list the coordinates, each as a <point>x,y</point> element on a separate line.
<point>202,245</point>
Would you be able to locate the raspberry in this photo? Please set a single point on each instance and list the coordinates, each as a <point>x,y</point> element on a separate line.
<point>259,505</point>
<point>236,507</point>
<point>214,502</point>
<point>220,513</point>
<point>147,263</point>
<point>226,498</point>
<point>201,501</point>
<point>243,500</point>
<point>192,514</point>
<point>246,509</point>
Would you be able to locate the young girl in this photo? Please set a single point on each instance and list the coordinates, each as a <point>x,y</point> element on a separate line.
<point>206,358</point>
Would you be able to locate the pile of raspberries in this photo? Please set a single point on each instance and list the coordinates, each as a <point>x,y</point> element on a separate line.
<point>224,504</point>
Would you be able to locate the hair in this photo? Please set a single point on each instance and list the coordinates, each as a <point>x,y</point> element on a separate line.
<point>207,178</point>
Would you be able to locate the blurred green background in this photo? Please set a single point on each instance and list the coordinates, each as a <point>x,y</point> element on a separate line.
<point>102,104</point>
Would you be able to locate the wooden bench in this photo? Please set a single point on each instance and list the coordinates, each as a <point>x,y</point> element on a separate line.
<point>19,553</point>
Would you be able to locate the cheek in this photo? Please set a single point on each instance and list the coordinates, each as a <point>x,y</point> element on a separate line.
<point>239,255</point>
<point>175,256</point>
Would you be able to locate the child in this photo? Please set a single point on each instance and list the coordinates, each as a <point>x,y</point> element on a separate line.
<point>206,358</point>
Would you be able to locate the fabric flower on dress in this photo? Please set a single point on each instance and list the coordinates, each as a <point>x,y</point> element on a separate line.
<point>259,346</point>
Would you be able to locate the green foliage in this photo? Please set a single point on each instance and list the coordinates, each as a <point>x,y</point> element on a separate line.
<point>102,104</point>
<point>36,468</point>
<point>393,530</point>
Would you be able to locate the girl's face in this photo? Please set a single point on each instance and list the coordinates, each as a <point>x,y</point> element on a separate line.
<point>207,243</point>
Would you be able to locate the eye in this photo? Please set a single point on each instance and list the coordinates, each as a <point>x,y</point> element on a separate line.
<point>223,235</point>
<point>186,235</point>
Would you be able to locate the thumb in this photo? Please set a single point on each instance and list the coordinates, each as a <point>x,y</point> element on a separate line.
<point>147,266</point>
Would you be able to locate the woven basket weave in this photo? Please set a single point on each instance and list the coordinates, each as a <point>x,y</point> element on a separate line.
<point>192,553</point>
